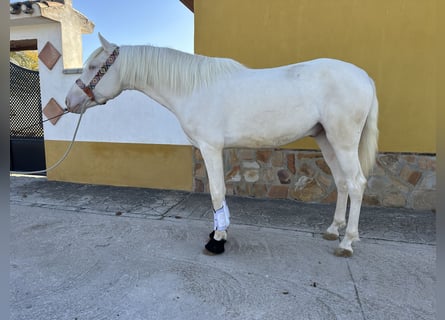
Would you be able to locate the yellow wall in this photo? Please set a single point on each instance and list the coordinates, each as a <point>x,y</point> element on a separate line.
<point>123,164</point>
<point>394,41</point>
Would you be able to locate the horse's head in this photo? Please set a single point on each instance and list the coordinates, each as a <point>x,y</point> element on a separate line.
<point>99,81</point>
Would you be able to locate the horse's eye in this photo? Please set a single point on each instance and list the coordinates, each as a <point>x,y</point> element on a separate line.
<point>91,67</point>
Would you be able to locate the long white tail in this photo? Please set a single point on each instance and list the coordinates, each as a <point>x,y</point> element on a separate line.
<point>369,138</point>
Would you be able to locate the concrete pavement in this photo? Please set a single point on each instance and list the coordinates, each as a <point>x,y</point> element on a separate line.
<point>100,252</point>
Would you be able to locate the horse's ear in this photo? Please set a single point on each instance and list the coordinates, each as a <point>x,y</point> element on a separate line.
<point>108,47</point>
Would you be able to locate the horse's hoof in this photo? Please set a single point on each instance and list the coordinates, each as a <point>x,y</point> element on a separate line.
<point>340,252</point>
<point>215,247</point>
<point>330,236</point>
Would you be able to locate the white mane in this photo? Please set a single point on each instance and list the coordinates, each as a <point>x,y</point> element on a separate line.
<point>181,72</point>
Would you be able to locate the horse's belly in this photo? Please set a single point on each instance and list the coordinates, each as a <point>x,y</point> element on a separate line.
<point>265,138</point>
<point>269,127</point>
<point>259,141</point>
<point>267,116</point>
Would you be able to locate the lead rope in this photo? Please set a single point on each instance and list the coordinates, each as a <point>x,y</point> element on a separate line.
<point>65,154</point>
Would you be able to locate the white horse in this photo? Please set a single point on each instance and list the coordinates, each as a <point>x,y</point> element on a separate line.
<point>222,104</point>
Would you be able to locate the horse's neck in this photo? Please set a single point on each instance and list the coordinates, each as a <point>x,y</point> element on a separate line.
<point>138,73</point>
<point>169,76</point>
<point>163,97</point>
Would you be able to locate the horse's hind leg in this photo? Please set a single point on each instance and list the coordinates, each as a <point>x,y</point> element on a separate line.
<point>355,181</point>
<point>339,220</point>
<point>214,164</point>
<point>339,145</point>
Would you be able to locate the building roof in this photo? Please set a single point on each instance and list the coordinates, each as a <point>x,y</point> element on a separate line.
<point>27,7</point>
<point>189,4</point>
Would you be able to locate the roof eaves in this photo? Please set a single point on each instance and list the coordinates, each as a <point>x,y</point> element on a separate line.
<point>190,4</point>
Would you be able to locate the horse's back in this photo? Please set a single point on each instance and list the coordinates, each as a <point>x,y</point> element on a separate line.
<point>326,70</point>
<point>309,85</point>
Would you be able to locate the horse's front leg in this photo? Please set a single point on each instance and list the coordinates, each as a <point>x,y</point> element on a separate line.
<point>214,164</point>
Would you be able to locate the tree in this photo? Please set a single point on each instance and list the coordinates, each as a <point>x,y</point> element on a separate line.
<point>26,59</point>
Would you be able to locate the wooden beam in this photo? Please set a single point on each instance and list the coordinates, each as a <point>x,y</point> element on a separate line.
<point>21,45</point>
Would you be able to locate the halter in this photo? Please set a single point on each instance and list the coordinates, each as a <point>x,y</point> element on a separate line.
<point>88,89</point>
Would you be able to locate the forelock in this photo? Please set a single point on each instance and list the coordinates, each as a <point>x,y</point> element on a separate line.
<point>94,55</point>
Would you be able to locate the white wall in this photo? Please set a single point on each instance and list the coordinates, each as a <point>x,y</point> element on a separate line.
<point>130,118</point>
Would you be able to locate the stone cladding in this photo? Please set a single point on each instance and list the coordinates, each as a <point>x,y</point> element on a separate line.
<point>397,180</point>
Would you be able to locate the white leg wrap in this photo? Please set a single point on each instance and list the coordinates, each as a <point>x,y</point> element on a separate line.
<point>221,218</point>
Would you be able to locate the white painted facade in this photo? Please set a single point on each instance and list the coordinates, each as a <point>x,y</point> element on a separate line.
<point>131,117</point>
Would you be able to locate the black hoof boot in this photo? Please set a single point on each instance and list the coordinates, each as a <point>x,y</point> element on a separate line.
<point>214,246</point>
